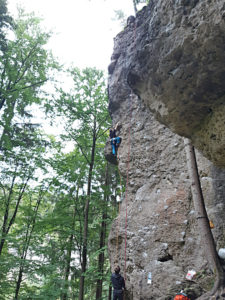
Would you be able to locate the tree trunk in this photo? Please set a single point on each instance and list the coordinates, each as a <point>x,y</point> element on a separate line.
<point>29,232</point>
<point>67,272</point>
<point>6,214</point>
<point>101,257</point>
<point>86,211</point>
<point>110,292</point>
<point>18,283</point>
<point>135,7</point>
<point>69,252</point>
<point>6,227</point>
<point>8,117</point>
<point>203,221</point>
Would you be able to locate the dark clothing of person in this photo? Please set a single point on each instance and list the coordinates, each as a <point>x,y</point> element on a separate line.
<point>118,282</point>
<point>115,141</point>
<point>118,285</point>
<point>112,133</point>
<point>117,295</point>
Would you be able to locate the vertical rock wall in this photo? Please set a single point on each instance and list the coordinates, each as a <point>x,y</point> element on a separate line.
<point>162,233</point>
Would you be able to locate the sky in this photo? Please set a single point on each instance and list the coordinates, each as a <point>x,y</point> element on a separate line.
<point>83,29</point>
<point>83,34</point>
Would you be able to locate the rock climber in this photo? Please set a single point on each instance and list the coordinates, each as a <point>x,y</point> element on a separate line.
<point>114,139</point>
<point>118,284</point>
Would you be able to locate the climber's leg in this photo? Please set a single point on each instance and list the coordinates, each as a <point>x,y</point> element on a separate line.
<point>113,144</point>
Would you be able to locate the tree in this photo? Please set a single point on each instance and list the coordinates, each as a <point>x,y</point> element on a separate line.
<point>73,171</point>
<point>25,66</point>
<point>70,247</point>
<point>120,16</point>
<point>101,256</point>
<point>20,243</point>
<point>6,22</point>
<point>88,119</point>
<point>204,226</point>
<point>17,169</point>
<point>49,239</point>
<point>30,220</point>
<point>8,221</point>
<point>136,2</point>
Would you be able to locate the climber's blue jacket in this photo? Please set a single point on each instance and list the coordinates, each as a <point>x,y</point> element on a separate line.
<point>115,143</point>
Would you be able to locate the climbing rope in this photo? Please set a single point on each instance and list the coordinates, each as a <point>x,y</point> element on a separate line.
<point>126,193</point>
<point>127,183</point>
<point>128,167</point>
<point>118,220</point>
<point>126,197</point>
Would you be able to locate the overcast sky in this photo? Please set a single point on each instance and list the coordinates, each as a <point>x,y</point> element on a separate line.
<point>83,33</point>
<point>84,29</point>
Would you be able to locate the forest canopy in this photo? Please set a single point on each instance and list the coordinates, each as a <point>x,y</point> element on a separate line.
<point>57,202</point>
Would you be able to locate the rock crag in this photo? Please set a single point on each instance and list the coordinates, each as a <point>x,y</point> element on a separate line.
<point>162,232</point>
<point>177,66</point>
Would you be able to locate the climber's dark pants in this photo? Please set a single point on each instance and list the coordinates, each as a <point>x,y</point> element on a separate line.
<point>118,295</point>
<point>115,144</point>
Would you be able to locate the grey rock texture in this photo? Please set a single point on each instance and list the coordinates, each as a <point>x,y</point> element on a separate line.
<point>162,233</point>
<point>174,59</point>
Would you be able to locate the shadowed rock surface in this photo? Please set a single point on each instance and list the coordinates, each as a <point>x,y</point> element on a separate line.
<point>173,57</point>
<point>162,232</point>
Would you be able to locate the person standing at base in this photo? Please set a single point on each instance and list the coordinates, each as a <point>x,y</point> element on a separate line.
<point>118,284</point>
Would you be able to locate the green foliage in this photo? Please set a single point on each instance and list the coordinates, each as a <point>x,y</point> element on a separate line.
<point>142,1</point>
<point>43,188</point>
<point>121,17</point>
<point>24,68</point>
<point>5,22</point>
<point>137,3</point>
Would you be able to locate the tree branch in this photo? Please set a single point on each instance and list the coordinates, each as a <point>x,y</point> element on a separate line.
<point>23,63</point>
<point>29,86</point>
<point>17,206</point>
<point>81,149</point>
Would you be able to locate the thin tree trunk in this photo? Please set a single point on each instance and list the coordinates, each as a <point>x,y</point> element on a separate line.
<point>68,262</point>
<point>18,283</point>
<point>135,7</point>
<point>110,292</point>
<point>6,214</point>
<point>30,229</point>
<point>73,289</point>
<point>5,227</point>
<point>69,252</point>
<point>85,235</point>
<point>101,257</point>
<point>8,117</point>
<point>202,217</point>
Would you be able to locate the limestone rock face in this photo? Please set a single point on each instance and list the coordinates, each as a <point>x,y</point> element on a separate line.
<point>162,233</point>
<point>174,59</point>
